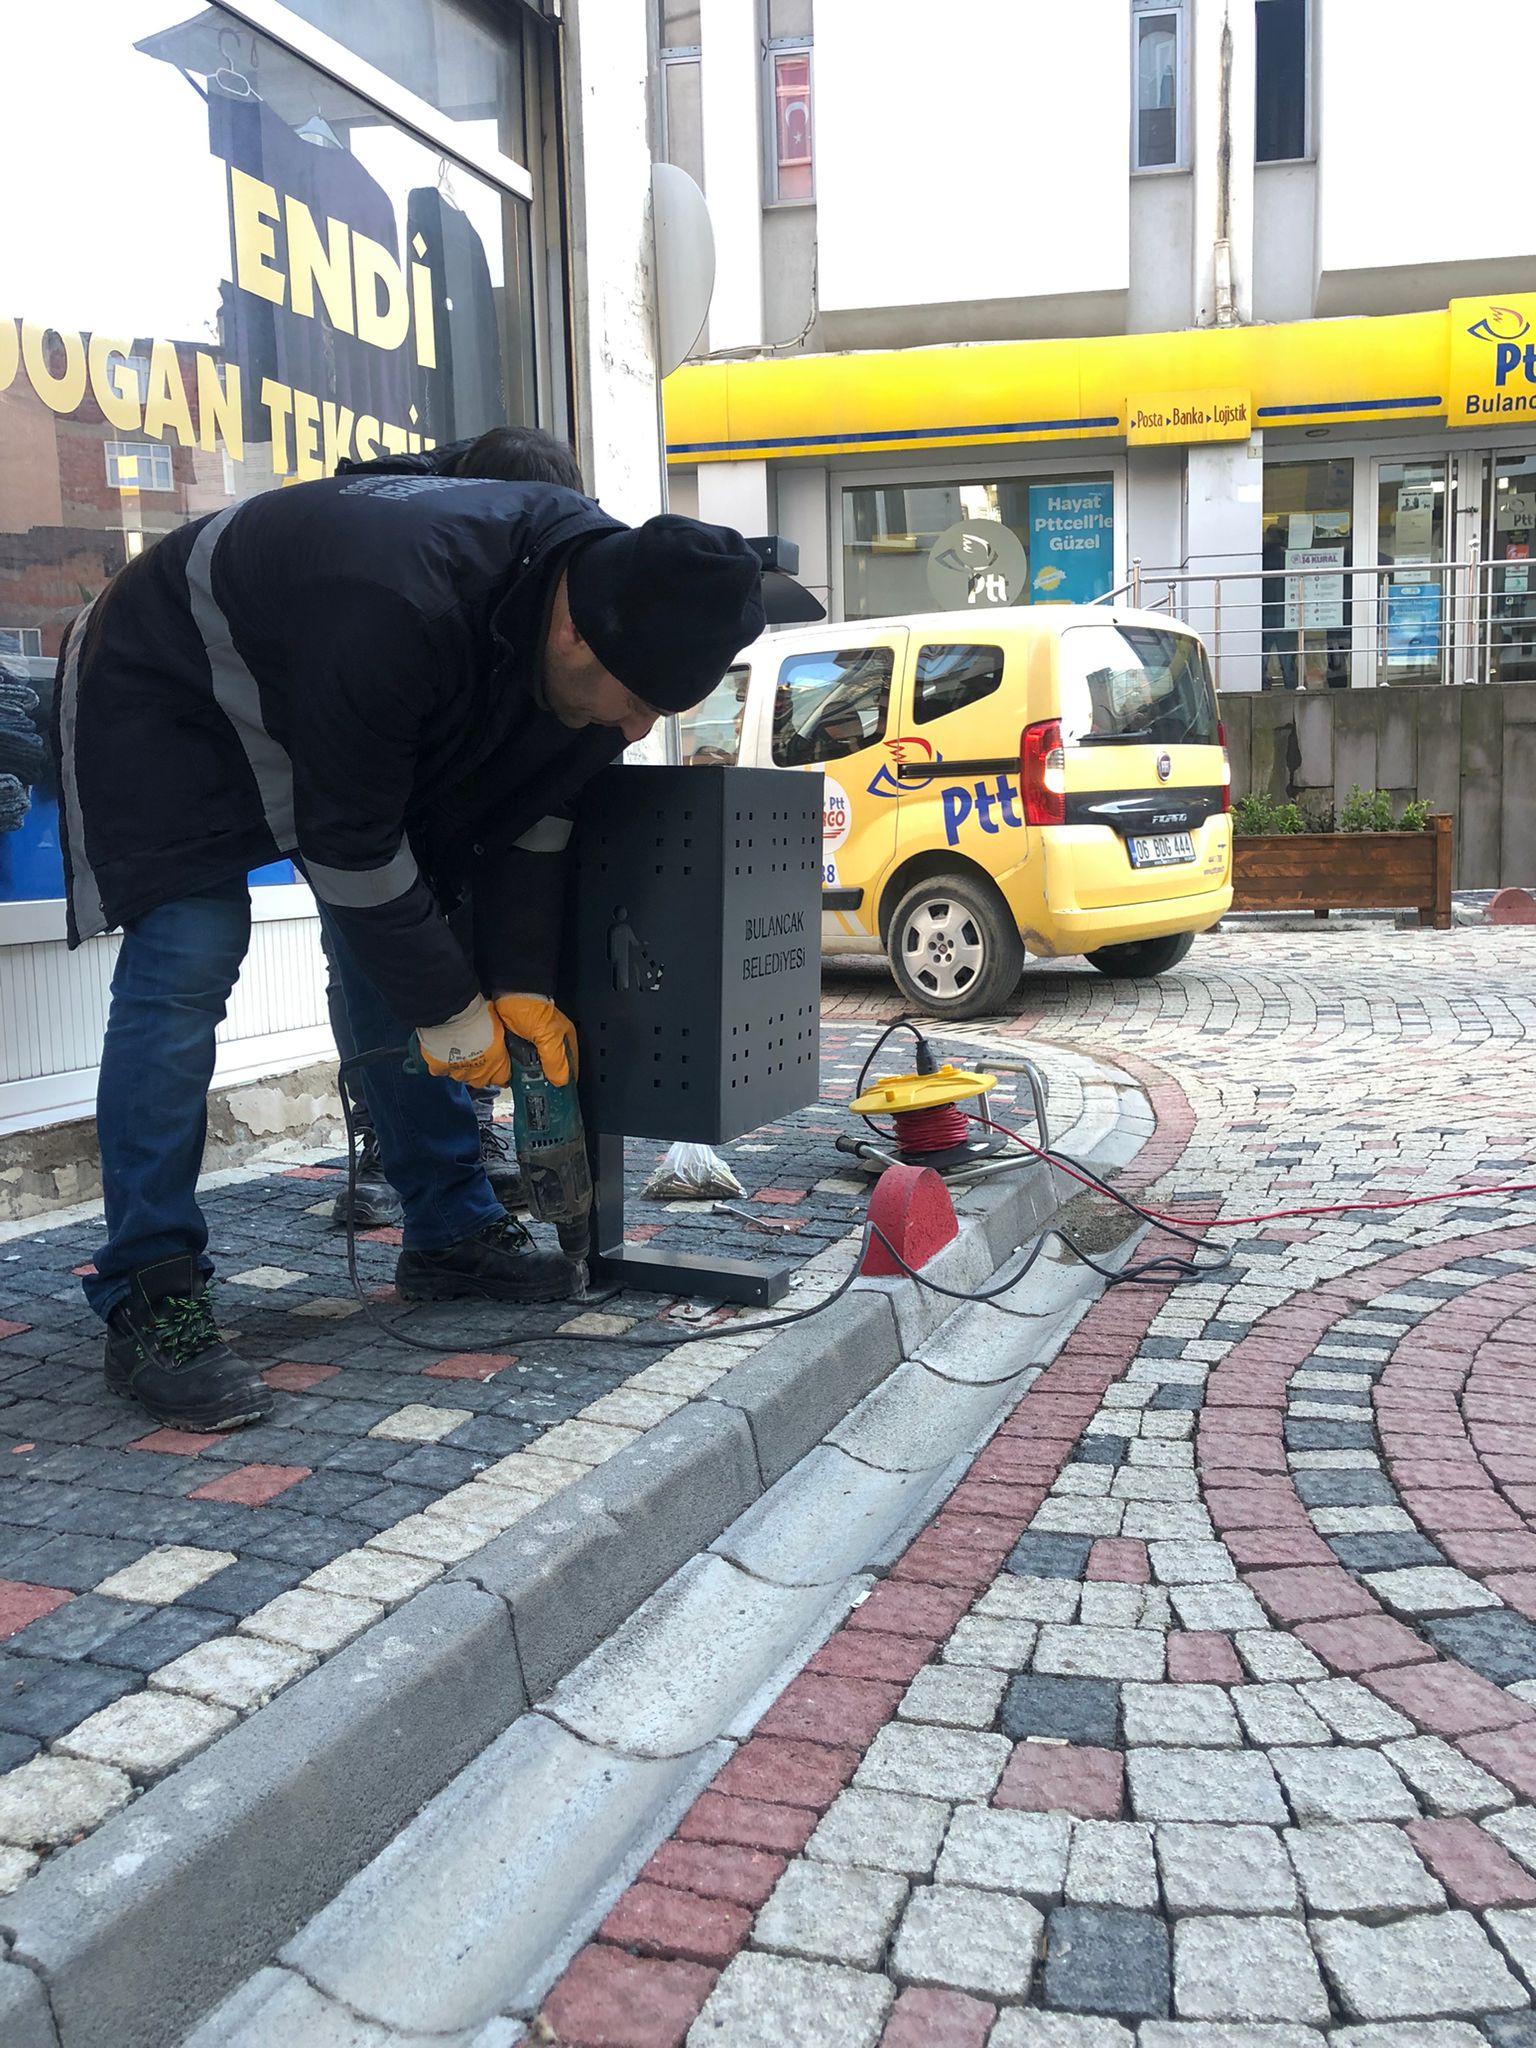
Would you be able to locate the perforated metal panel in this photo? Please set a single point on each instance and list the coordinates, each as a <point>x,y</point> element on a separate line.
<point>695,973</point>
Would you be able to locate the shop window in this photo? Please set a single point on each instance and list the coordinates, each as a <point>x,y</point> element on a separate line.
<point>711,731</point>
<point>1282,77</point>
<point>949,678</point>
<point>924,547</point>
<point>21,640</point>
<point>1158,65</point>
<point>299,279</point>
<point>682,111</point>
<point>1308,551</point>
<point>139,466</point>
<point>829,705</point>
<point>787,125</point>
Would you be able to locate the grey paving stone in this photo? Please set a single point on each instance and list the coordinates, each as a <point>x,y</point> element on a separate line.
<point>1216,1607</point>
<point>1017,2029</point>
<point>1204,1785</point>
<point>976,1941</point>
<point>1507,2030</point>
<point>982,1639</point>
<point>994,1849</point>
<point>765,2001</point>
<point>1425,1590</point>
<point>1445,1781</point>
<point>1500,1645</point>
<point>1230,1968</point>
<point>1515,1931</point>
<point>1100,1959</point>
<point>953,1697</point>
<point>935,1763</point>
<point>1187,1561</point>
<point>1179,1717</point>
<point>881,1831</point>
<point>1069,1650</point>
<point>77,1628</point>
<point>1517,1831</point>
<point>1346,1489</point>
<point>1042,1554</point>
<point>1235,1869</point>
<point>1425,2034</point>
<point>1011,1598</point>
<point>1388,1552</point>
<point>1277,1713</point>
<point>1430,1965</point>
<point>1352,1711</point>
<point>1072,1709</point>
<point>42,1697</point>
<point>1369,1871</point>
<point>1268,1655</point>
<point>168,1632</point>
<point>1342,1785</point>
<point>826,1912</point>
<point>1111,1865</point>
<point>1226,2034</point>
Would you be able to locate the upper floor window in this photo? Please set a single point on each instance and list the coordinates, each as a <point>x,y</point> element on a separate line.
<point>682,115</point>
<point>1283,75</point>
<point>788,127</point>
<point>1158,72</point>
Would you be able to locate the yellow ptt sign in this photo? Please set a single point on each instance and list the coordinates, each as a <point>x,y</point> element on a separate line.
<point>1188,416</point>
<point>1491,377</point>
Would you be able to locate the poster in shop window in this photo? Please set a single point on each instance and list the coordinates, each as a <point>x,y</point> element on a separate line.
<point>293,282</point>
<point>1314,596</point>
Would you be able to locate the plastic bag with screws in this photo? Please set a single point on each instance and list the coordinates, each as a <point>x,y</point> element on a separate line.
<point>691,1173</point>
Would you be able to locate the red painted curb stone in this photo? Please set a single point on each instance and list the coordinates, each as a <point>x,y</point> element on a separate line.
<point>911,1207</point>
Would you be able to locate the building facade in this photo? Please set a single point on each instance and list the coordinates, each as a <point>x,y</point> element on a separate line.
<point>263,235</point>
<point>1178,298</point>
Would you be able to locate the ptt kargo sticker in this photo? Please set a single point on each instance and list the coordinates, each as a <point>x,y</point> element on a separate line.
<point>836,823</point>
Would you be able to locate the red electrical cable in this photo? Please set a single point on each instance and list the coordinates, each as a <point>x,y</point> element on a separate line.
<point>1519,1187</point>
<point>937,1129</point>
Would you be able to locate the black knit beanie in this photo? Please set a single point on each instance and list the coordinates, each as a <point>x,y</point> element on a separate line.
<point>667,606</point>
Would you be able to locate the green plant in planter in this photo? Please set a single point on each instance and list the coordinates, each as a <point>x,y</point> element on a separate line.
<point>1366,810</point>
<point>1415,817</point>
<point>1256,815</point>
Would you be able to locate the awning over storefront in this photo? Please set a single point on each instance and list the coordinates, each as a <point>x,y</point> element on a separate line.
<point>1473,364</point>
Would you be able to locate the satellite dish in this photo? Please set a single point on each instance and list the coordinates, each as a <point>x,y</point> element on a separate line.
<point>685,264</point>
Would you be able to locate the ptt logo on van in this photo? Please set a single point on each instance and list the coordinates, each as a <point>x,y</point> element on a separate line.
<point>907,749</point>
<point>987,801</point>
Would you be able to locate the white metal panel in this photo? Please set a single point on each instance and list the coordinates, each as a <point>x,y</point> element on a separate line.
<point>977,153</point>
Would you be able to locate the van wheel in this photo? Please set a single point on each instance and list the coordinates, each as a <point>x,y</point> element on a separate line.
<point>954,950</point>
<point>1142,958</point>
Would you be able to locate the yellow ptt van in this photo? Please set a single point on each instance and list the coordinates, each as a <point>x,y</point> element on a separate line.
<point>1049,780</point>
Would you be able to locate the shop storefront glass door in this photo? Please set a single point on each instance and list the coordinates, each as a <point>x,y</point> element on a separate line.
<point>1507,621</point>
<point>1415,595</point>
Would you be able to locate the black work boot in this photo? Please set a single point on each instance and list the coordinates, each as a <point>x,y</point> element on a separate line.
<point>500,1263</point>
<point>373,1202</point>
<point>165,1352</point>
<point>502,1170</point>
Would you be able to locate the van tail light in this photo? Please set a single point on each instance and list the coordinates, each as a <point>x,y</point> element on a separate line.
<point>1043,773</point>
<point>1226,769</point>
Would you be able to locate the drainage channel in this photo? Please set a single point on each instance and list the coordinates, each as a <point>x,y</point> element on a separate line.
<point>455,1931</point>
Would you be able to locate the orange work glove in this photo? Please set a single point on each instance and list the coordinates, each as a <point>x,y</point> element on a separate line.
<point>471,1048</point>
<point>548,1030</point>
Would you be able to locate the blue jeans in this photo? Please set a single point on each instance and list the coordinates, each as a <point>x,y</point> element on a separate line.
<point>170,989</point>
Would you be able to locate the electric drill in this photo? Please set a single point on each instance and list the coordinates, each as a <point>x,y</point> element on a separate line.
<point>551,1151</point>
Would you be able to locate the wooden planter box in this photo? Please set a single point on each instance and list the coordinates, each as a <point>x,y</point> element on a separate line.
<point>1323,871</point>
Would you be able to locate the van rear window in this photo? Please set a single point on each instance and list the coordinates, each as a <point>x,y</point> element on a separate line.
<point>1129,683</point>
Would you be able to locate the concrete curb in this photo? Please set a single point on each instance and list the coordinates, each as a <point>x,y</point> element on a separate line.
<point>148,1924</point>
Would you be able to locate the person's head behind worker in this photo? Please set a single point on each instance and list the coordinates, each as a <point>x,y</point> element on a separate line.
<point>521,455</point>
<point>647,620</point>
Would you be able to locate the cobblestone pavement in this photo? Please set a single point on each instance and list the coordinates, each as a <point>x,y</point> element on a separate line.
<point>1205,1710</point>
<point>156,1585</point>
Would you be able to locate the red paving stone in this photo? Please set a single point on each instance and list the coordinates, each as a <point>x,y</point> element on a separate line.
<point>820,1708</point>
<point>1462,1508</point>
<point>1446,1699</point>
<point>1515,1589</point>
<point>1510,1753</point>
<point>292,1377</point>
<point>937,2019</point>
<point>21,1602</point>
<point>780,1195</point>
<point>1373,1642</point>
<point>252,1486</point>
<point>654,1920</point>
<point>10,1329</point>
<point>792,1773</point>
<point>743,1876</point>
<point>471,1365</point>
<point>1201,1657</point>
<point>1276,1547</point>
<point>864,1653</point>
<point>1044,1777</point>
<point>1475,1869</point>
<point>1121,1560</point>
<point>1310,1593</point>
<point>312,1173</point>
<point>607,1999</point>
<point>910,1609</point>
<point>747,1823</point>
<point>1488,1550</point>
<point>177,1443</point>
